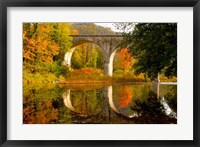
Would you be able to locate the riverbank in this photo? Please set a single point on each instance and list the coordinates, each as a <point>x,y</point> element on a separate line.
<point>88,76</point>
<point>108,82</point>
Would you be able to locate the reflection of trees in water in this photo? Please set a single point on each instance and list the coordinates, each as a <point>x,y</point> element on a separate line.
<point>86,103</point>
<point>123,94</point>
<point>154,110</point>
<point>42,105</point>
<point>171,98</point>
<point>123,108</point>
<point>42,111</point>
<point>114,105</point>
<point>125,97</point>
<point>128,105</point>
<point>151,106</point>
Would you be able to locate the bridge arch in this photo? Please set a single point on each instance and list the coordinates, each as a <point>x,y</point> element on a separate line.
<point>108,46</point>
<point>68,54</point>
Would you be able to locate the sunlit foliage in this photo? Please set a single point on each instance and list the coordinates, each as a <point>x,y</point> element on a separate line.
<point>44,45</point>
<point>123,60</point>
<point>87,55</point>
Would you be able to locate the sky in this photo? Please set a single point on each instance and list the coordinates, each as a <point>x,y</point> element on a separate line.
<point>108,25</point>
<point>112,26</point>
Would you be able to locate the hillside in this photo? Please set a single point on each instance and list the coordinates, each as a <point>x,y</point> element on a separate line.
<point>92,29</point>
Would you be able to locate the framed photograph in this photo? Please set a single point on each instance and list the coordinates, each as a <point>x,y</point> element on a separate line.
<point>99,73</point>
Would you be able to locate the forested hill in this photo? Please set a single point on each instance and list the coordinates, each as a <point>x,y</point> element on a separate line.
<point>91,28</point>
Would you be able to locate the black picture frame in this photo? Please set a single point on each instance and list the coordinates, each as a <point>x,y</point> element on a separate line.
<point>4,4</point>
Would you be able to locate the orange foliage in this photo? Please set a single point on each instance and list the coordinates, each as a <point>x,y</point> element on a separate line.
<point>42,113</point>
<point>39,47</point>
<point>125,59</point>
<point>125,97</point>
<point>85,71</point>
<point>74,32</point>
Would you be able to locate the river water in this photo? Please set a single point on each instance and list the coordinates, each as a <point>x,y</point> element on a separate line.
<point>132,103</point>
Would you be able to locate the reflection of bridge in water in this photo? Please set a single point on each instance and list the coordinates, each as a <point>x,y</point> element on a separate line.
<point>109,109</point>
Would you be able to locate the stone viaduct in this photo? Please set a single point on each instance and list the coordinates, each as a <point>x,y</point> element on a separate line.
<point>108,44</point>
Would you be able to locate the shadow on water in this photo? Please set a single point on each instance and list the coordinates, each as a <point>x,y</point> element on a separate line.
<point>98,104</point>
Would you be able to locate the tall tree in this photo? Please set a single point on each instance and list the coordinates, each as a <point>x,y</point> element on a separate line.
<point>124,60</point>
<point>154,45</point>
<point>60,34</point>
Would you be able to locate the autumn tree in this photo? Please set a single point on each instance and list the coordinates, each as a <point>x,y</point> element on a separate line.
<point>38,48</point>
<point>124,60</point>
<point>44,45</point>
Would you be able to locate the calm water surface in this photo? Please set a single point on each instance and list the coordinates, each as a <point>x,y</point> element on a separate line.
<point>100,104</point>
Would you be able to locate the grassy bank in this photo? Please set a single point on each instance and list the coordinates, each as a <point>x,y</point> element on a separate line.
<point>88,76</point>
<point>38,78</point>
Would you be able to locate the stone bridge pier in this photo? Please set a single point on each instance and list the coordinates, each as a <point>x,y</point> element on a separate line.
<point>108,45</point>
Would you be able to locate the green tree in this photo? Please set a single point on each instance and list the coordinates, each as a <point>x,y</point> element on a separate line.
<point>154,45</point>
<point>60,34</point>
<point>87,55</point>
